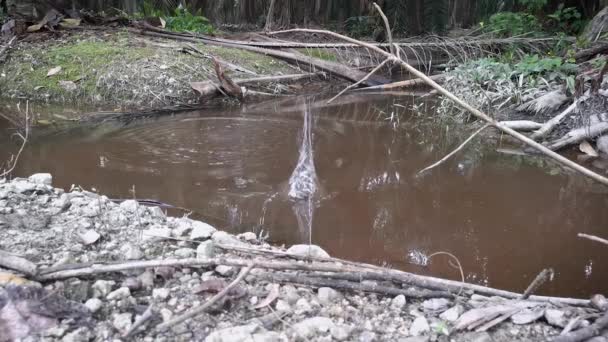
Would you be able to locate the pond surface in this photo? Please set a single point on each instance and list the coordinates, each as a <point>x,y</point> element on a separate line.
<point>503,216</point>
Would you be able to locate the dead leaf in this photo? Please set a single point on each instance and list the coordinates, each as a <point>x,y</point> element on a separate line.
<point>272,296</point>
<point>54,71</point>
<point>586,148</point>
<point>163,22</point>
<point>9,278</point>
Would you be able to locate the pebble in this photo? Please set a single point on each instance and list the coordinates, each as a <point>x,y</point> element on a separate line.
<point>81,334</point>
<point>166,314</point>
<point>130,206</point>
<point>156,234</point>
<point>205,250</point>
<point>436,304</point>
<point>120,293</point>
<point>89,237</point>
<point>130,251</point>
<point>185,253</point>
<point>282,305</point>
<point>452,314</point>
<point>327,295</point>
<point>478,337</point>
<point>224,270</point>
<point>122,322</point>
<point>201,231</point>
<point>303,306</point>
<point>420,326</point>
<point>234,334</point>
<point>598,301</point>
<point>398,302</point>
<point>414,339</point>
<point>340,332</point>
<point>93,304</point>
<point>308,250</point>
<point>41,178</point>
<point>102,288</point>
<point>556,317</point>
<point>223,238</point>
<point>310,327</point>
<point>367,336</point>
<point>248,236</point>
<point>161,293</point>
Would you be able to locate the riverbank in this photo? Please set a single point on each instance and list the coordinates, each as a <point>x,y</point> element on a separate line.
<point>62,234</point>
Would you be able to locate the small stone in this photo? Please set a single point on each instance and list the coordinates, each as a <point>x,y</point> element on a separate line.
<point>88,237</point>
<point>308,250</point>
<point>120,293</point>
<point>147,279</point>
<point>224,271</point>
<point>398,302</point>
<point>185,253</point>
<point>478,337</point>
<point>340,333</point>
<point>157,212</point>
<point>201,231</point>
<point>223,238</point>
<point>93,304</point>
<point>598,301</point>
<point>420,326</point>
<point>556,318</point>
<point>205,250</point>
<point>161,293</point>
<point>436,304</point>
<point>248,236</point>
<point>68,86</point>
<point>130,206</point>
<point>54,332</point>
<point>602,144</point>
<point>234,334</point>
<point>156,234</point>
<point>79,335</point>
<point>22,187</point>
<point>122,322</point>
<point>310,327</point>
<point>452,314</point>
<point>102,288</point>
<point>41,178</point>
<point>597,339</point>
<point>367,336</point>
<point>166,314</point>
<point>302,305</point>
<point>131,252</point>
<point>327,295</point>
<point>414,339</point>
<point>282,306</point>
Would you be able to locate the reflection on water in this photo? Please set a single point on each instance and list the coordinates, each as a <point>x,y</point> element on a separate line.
<point>502,216</point>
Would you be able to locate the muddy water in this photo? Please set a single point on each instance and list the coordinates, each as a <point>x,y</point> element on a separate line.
<point>503,216</point>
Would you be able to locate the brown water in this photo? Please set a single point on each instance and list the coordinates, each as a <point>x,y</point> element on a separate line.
<point>504,217</point>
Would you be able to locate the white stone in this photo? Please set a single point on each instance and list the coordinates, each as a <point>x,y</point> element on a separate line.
<point>234,334</point>
<point>156,234</point>
<point>556,318</point>
<point>23,186</point>
<point>205,250</point>
<point>327,295</point>
<point>303,306</point>
<point>93,304</point>
<point>436,304</point>
<point>122,322</point>
<point>130,206</point>
<point>79,335</point>
<point>131,252</point>
<point>248,236</point>
<point>201,231</point>
<point>310,327</point>
<point>102,288</point>
<point>166,314</point>
<point>223,238</point>
<point>340,333</point>
<point>185,253</point>
<point>398,302</point>
<point>120,293</point>
<point>161,293</point>
<point>282,306</point>
<point>308,250</point>
<point>452,314</point>
<point>41,178</point>
<point>420,326</point>
<point>88,237</point>
<point>224,270</point>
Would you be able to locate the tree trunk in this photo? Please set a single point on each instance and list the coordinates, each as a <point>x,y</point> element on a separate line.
<point>597,26</point>
<point>269,16</point>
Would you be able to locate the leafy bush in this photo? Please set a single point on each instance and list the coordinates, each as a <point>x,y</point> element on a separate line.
<point>183,20</point>
<point>533,5</point>
<point>567,19</point>
<point>512,24</point>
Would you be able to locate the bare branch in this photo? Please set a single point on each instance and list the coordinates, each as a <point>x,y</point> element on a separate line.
<point>387,27</point>
<point>593,238</point>
<point>371,73</point>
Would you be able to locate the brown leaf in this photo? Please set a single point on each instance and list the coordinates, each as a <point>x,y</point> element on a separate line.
<point>586,148</point>
<point>272,296</point>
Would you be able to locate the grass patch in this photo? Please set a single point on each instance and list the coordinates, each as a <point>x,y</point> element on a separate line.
<point>320,54</point>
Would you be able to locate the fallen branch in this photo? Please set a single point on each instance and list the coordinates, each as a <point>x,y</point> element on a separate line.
<point>577,135</point>
<point>587,54</point>
<point>146,316</point>
<point>356,84</point>
<point>538,281</point>
<point>24,139</point>
<point>522,125</point>
<point>479,114</point>
<point>15,263</point>
<point>404,84</point>
<point>593,238</point>
<point>387,28</point>
<point>583,334</point>
<point>208,304</point>
<point>551,124</point>
<point>442,160</point>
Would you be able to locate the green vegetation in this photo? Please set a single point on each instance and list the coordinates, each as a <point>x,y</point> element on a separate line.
<point>506,24</point>
<point>184,21</point>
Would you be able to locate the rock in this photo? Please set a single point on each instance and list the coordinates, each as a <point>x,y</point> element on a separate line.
<point>234,334</point>
<point>79,335</point>
<point>282,305</point>
<point>122,322</point>
<point>223,238</point>
<point>157,212</point>
<point>452,314</point>
<point>185,253</point>
<point>310,327</point>
<point>327,295</point>
<point>367,336</point>
<point>436,304</point>
<point>130,206</point>
<point>134,284</point>
<point>419,326</point>
<point>131,252</point>
<point>340,333</point>
<point>88,237</point>
<point>205,250</point>
<point>414,339</point>
<point>156,234</point>
<point>598,339</point>
<point>93,304</point>
<point>527,316</point>
<point>147,279</point>
<point>54,332</point>
<point>224,271</point>
<point>102,288</point>
<point>303,306</point>
<point>602,144</point>
<point>41,178</point>
<point>166,314</point>
<point>556,317</point>
<point>201,231</point>
<point>598,301</point>
<point>161,293</point>
<point>306,250</point>
<point>22,187</point>
<point>478,337</point>
<point>398,302</point>
<point>76,290</point>
<point>120,293</point>
<point>68,86</point>
<point>248,236</point>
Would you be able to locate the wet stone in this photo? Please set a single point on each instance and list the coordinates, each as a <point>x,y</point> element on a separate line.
<point>205,250</point>
<point>120,293</point>
<point>420,326</point>
<point>308,250</point>
<point>398,302</point>
<point>224,271</point>
<point>556,318</point>
<point>130,206</point>
<point>367,336</point>
<point>452,314</point>
<point>328,295</point>
<point>436,304</point>
<point>122,322</point>
<point>102,288</point>
<point>93,304</point>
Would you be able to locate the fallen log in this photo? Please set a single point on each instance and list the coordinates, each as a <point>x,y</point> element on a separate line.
<point>586,333</point>
<point>522,125</point>
<point>551,124</point>
<point>590,53</point>
<point>404,84</point>
<point>577,135</point>
<point>206,88</point>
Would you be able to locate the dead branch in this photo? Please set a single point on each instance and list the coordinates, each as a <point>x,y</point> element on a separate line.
<point>370,74</point>
<point>593,238</point>
<point>457,264</point>
<point>551,124</point>
<point>577,135</point>
<point>363,273</point>
<point>538,281</point>
<point>479,114</point>
<point>590,53</point>
<point>442,160</point>
<point>146,316</point>
<point>205,306</point>
<point>404,84</point>
<point>24,139</point>
<point>227,83</point>
<point>387,28</point>
<point>583,334</point>
<point>522,125</point>
<point>15,263</point>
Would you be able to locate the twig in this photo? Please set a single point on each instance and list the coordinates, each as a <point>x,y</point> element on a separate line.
<point>387,27</point>
<point>403,84</point>
<point>442,160</point>
<point>593,238</point>
<point>365,78</point>
<point>6,47</point>
<point>13,262</point>
<point>583,334</point>
<point>476,112</point>
<point>202,308</point>
<point>24,142</point>
<point>457,263</point>
<point>147,315</point>
<point>540,279</point>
